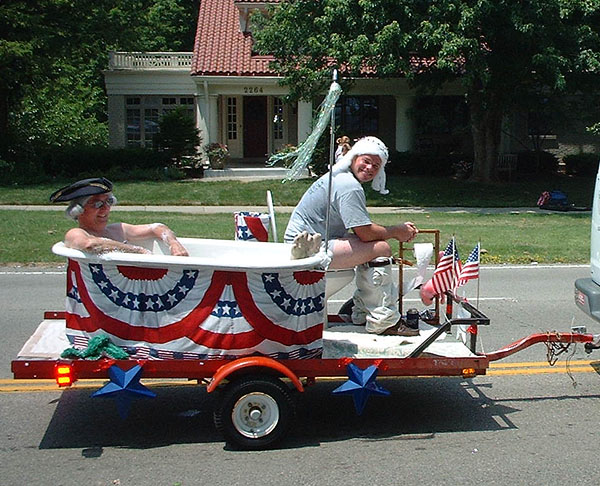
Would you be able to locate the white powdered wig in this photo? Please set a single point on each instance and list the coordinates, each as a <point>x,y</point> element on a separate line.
<point>366,146</point>
<point>76,206</point>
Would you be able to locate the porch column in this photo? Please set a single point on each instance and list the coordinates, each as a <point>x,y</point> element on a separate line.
<point>117,131</point>
<point>207,119</point>
<point>304,120</point>
<point>213,127</point>
<point>202,119</point>
<point>404,124</point>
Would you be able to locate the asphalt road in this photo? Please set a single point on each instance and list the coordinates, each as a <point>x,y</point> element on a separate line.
<point>523,423</point>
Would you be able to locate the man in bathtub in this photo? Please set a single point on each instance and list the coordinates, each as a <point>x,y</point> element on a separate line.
<point>375,299</point>
<point>90,201</point>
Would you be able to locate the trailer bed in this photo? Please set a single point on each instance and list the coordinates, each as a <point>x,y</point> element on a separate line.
<point>340,341</point>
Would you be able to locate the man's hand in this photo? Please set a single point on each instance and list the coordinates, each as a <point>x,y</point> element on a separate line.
<point>407,231</point>
<point>177,249</point>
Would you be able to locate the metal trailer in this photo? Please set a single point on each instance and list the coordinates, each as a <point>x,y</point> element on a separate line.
<point>256,405</point>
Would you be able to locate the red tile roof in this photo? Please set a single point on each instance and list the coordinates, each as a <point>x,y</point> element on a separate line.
<point>255,1</point>
<point>221,49</point>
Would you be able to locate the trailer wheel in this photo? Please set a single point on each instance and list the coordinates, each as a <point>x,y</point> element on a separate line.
<point>254,412</point>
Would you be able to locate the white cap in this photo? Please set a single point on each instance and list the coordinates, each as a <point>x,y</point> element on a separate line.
<point>366,146</point>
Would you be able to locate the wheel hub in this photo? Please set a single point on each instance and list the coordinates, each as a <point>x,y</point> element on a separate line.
<point>255,415</point>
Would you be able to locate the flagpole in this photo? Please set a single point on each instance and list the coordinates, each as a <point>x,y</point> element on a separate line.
<point>331,156</point>
<point>479,277</point>
<point>450,292</point>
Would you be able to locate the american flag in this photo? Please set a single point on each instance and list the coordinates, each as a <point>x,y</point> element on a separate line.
<point>470,269</point>
<point>447,270</point>
<point>251,226</point>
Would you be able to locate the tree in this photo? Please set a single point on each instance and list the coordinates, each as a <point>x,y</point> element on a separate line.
<point>53,52</point>
<point>502,52</point>
<point>178,135</point>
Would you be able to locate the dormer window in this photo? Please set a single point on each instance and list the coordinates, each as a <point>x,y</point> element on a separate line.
<point>245,8</point>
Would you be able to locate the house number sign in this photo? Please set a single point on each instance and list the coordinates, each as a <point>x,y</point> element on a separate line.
<point>253,89</point>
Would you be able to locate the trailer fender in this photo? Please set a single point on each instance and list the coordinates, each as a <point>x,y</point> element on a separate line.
<point>253,362</point>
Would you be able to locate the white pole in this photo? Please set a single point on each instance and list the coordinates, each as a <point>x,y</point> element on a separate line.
<point>331,156</point>
<point>479,270</point>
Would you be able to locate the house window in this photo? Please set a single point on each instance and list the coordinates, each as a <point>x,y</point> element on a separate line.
<point>441,115</point>
<point>358,115</point>
<point>277,118</point>
<point>143,116</point>
<point>231,118</point>
<point>151,126</point>
<point>134,132</point>
<point>441,124</point>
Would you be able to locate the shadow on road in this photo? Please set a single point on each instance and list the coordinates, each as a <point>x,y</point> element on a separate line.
<point>416,410</point>
<point>177,415</point>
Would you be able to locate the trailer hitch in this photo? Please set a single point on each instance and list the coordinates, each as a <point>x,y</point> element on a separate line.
<point>595,344</point>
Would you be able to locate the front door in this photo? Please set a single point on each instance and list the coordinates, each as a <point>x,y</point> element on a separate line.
<point>255,126</point>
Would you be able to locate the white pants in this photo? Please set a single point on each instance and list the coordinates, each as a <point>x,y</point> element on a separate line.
<point>375,299</point>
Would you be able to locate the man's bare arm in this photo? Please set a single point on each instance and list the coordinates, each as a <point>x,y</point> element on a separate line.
<point>81,240</point>
<point>155,230</point>
<point>374,232</point>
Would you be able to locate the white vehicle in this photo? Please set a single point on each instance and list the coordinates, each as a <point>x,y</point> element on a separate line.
<point>587,290</point>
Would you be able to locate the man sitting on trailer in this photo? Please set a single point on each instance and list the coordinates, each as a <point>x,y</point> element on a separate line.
<point>375,299</point>
<point>90,201</point>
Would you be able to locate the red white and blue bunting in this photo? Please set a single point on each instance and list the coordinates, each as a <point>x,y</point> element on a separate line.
<point>199,313</point>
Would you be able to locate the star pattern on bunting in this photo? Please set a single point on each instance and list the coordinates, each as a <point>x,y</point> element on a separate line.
<point>141,301</point>
<point>286,302</point>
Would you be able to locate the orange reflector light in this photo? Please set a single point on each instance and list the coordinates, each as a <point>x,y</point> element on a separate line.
<point>64,375</point>
<point>469,372</point>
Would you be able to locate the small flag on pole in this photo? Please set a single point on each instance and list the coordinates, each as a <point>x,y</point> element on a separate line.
<point>447,270</point>
<point>470,269</point>
<point>251,226</point>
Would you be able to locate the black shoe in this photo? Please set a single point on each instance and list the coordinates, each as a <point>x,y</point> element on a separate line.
<point>400,329</point>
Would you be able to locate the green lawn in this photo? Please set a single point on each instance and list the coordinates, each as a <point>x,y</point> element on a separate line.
<point>404,191</point>
<point>27,236</point>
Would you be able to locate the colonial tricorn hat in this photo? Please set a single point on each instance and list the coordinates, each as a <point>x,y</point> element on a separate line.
<point>85,187</point>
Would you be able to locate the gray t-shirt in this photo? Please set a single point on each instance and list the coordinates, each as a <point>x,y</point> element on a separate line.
<point>348,208</point>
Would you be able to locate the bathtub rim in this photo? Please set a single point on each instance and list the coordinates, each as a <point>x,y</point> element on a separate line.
<point>315,262</point>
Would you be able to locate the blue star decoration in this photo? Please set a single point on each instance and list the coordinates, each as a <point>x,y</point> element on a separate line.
<point>124,386</point>
<point>361,384</point>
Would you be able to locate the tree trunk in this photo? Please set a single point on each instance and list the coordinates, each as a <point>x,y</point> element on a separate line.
<point>486,123</point>
<point>3,122</point>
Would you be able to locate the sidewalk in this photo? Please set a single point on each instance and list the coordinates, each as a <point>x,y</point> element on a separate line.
<point>288,209</point>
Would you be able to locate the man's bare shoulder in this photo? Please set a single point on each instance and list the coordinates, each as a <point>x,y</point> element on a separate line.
<point>75,232</point>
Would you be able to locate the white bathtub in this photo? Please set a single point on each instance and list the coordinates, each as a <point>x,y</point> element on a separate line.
<point>218,254</point>
<point>227,299</point>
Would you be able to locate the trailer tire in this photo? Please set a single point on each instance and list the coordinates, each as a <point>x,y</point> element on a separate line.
<point>254,412</point>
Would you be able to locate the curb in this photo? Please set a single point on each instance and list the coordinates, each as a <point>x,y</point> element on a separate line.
<point>288,209</point>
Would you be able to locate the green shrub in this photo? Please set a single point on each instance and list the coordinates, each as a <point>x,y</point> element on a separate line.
<point>21,164</point>
<point>534,162</point>
<point>581,164</point>
<point>319,164</point>
<point>178,135</point>
<point>82,160</point>
<point>420,163</point>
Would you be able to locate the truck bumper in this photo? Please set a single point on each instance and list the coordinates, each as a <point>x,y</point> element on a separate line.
<point>587,297</point>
